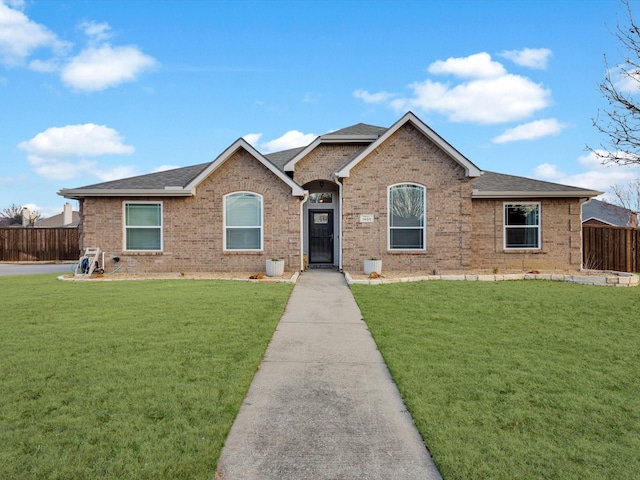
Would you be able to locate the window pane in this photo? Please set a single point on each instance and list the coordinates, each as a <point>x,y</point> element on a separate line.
<point>243,210</point>
<point>521,214</point>
<point>407,206</point>
<point>143,239</point>
<point>522,237</point>
<point>243,238</point>
<point>407,238</point>
<point>144,214</point>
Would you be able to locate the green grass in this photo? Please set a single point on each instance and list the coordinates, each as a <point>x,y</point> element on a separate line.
<point>126,380</point>
<point>516,380</point>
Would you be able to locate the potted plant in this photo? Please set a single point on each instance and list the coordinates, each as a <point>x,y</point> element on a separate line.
<point>275,267</point>
<point>372,264</point>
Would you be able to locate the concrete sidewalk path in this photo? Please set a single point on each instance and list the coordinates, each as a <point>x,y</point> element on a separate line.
<point>323,405</point>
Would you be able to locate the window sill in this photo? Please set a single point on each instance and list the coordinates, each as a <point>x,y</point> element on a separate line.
<point>243,252</point>
<point>524,250</point>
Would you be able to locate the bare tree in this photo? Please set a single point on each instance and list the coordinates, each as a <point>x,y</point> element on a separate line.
<point>620,122</point>
<point>14,214</point>
<point>627,195</point>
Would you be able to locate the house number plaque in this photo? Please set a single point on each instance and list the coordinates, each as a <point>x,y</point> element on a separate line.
<point>367,218</point>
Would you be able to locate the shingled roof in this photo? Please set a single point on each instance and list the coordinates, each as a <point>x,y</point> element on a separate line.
<point>173,182</point>
<point>500,185</point>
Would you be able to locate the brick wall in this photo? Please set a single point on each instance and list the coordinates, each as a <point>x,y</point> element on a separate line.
<point>324,161</point>
<point>561,244</point>
<point>193,226</point>
<point>408,156</point>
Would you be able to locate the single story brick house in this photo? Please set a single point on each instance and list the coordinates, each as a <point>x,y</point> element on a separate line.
<point>401,194</point>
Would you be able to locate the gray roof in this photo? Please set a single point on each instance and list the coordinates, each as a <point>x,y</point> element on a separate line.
<point>58,221</point>
<point>488,185</point>
<point>360,129</point>
<point>607,213</point>
<point>491,184</point>
<point>279,159</point>
<point>167,178</point>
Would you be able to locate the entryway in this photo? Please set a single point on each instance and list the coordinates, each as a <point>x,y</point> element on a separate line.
<point>321,236</point>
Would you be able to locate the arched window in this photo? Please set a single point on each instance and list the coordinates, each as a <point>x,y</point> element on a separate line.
<point>243,221</point>
<point>407,217</point>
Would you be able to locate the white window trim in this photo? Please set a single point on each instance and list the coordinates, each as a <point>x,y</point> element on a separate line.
<point>505,226</point>
<point>124,224</point>
<point>424,226</point>
<point>224,224</point>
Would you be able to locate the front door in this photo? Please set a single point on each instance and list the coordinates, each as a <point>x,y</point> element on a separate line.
<point>321,236</point>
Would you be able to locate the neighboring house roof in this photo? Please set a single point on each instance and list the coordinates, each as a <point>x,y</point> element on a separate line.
<point>499,185</point>
<point>58,221</point>
<point>608,214</point>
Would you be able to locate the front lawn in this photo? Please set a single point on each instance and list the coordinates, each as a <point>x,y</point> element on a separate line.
<point>516,380</point>
<point>126,380</point>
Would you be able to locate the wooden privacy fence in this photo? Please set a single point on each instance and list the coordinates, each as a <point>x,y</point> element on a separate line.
<point>38,244</point>
<point>611,248</point>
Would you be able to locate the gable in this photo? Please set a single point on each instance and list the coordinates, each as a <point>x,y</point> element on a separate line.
<point>409,118</point>
<point>179,182</point>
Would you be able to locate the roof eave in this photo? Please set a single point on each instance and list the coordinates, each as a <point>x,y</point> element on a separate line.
<point>77,193</point>
<point>529,194</point>
<point>291,164</point>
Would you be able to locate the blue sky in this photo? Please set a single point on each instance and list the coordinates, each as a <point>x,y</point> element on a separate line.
<point>96,90</point>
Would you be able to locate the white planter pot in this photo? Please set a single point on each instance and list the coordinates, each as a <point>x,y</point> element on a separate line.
<point>275,268</point>
<point>372,266</point>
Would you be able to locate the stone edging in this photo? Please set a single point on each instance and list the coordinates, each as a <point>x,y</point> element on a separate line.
<point>611,279</point>
<point>106,278</point>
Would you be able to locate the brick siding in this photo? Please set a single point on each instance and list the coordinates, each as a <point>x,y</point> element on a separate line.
<point>193,226</point>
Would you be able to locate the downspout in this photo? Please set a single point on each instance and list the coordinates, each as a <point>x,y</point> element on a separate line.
<point>583,202</point>
<point>339,223</point>
<point>304,200</point>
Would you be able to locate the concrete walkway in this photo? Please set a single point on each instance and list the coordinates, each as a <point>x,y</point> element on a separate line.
<point>323,405</point>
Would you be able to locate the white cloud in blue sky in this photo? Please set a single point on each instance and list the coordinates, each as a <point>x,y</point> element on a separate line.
<point>20,37</point>
<point>531,131</point>
<point>485,94</point>
<point>529,57</point>
<point>58,153</point>
<point>97,67</point>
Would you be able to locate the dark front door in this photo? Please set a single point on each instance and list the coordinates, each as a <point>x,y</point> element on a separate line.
<point>320,236</point>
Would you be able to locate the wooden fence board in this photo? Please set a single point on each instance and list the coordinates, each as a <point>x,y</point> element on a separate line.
<point>39,244</point>
<point>611,248</point>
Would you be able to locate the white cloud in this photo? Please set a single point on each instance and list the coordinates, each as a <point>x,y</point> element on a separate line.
<point>531,131</point>
<point>478,65</point>
<point>20,37</point>
<point>98,68</point>
<point>486,94</point>
<point>597,176</point>
<point>291,139</point>
<point>61,169</point>
<point>488,100</point>
<point>253,138</point>
<point>367,97</point>
<point>164,168</point>
<point>77,140</point>
<point>626,81</point>
<point>529,57</point>
<point>98,32</point>
<point>114,173</point>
